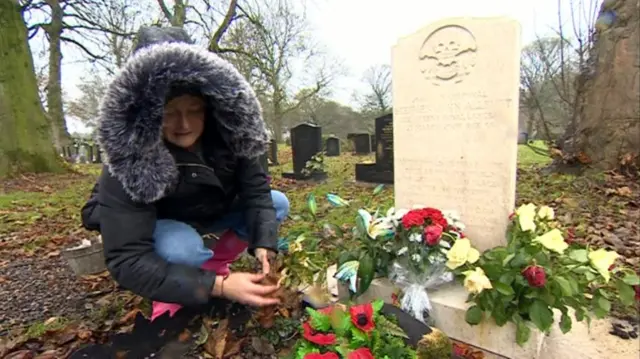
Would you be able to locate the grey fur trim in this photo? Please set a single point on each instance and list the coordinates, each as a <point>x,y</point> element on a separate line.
<point>129,129</point>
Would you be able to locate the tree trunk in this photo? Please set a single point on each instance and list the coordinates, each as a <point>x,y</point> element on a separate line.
<point>25,136</point>
<point>55,110</point>
<point>609,124</point>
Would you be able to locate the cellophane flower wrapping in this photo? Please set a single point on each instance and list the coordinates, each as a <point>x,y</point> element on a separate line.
<point>423,239</point>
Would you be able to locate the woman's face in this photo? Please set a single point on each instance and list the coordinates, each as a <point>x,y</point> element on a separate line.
<point>183,120</point>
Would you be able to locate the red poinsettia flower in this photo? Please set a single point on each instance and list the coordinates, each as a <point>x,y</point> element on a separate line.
<point>315,337</point>
<point>362,353</point>
<point>412,218</point>
<point>321,356</point>
<point>362,317</point>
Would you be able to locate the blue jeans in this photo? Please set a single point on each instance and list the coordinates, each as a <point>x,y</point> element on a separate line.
<point>178,242</point>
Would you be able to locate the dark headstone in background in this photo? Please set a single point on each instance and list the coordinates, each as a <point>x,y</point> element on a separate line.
<point>306,142</point>
<point>384,143</point>
<point>332,147</point>
<point>361,143</point>
<point>382,170</point>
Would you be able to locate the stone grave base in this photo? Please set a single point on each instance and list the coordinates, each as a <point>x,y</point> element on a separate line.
<point>317,177</point>
<point>371,173</point>
<point>449,309</point>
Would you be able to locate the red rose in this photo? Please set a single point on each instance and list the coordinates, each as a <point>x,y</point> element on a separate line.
<point>362,317</point>
<point>571,235</point>
<point>535,275</point>
<point>432,234</point>
<point>321,356</point>
<point>362,353</point>
<point>412,218</point>
<point>315,337</point>
<point>459,350</point>
<point>434,216</point>
<point>637,288</point>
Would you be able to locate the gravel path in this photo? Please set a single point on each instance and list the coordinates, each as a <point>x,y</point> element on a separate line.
<point>35,289</point>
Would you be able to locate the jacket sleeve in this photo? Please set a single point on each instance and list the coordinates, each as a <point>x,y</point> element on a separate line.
<point>260,214</point>
<point>89,212</point>
<point>127,228</point>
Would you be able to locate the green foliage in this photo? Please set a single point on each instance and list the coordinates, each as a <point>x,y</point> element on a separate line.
<point>385,339</point>
<point>539,272</point>
<point>314,165</point>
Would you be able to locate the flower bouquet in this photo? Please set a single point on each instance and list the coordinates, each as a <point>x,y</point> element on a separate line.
<point>366,331</point>
<point>424,237</point>
<point>539,270</point>
<point>412,248</point>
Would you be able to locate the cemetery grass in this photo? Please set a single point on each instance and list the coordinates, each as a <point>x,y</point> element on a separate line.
<point>45,306</point>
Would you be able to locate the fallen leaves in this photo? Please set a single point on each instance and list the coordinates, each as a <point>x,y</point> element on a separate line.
<point>219,343</point>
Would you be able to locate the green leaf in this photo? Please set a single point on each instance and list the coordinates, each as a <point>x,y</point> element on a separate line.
<point>631,279</point>
<point>504,289</point>
<point>523,332</point>
<point>590,276</point>
<point>564,285</point>
<point>507,278</point>
<point>319,321</point>
<point>603,303</point>
<point>541,315</point>
<point>473,315</point>
<point>626,292</point>
<point>565,323</point>
<point>377,305</point>
<point>358,337</point>
<point>378,189</point>
<point>507,259</point>
<point>311,204</point>
<point>366,272</point>
<point>388,327</point>
<point>579,255</point>
<point>346,257</point>
<point>579,314</point>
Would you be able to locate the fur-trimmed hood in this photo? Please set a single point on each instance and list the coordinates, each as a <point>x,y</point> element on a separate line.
<point>129,127</point>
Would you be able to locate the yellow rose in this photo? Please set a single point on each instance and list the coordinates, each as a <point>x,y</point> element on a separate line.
<point>601,260</point>
<point>552,241</point>
<point>546,212</point>
<point>526,213</point>
<point>475,281</point>
<point>460,253</point>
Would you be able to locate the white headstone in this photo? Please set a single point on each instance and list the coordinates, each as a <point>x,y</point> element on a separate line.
<point>455,111</point>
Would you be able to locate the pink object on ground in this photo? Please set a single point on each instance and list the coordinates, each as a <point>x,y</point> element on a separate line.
<point>225,252</point>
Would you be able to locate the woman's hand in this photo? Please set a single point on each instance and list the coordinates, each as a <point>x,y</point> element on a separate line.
<point>264,256</point>
<point>246,288</point>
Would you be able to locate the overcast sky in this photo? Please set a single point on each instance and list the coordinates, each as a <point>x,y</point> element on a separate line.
<point>360,33</point>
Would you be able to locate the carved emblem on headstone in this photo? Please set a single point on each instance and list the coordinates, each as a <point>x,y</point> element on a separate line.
<point>448,55</point>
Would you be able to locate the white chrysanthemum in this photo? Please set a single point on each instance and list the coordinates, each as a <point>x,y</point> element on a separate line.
<point>416,257</point>
<point>415,237</point>
<point>403,251</point>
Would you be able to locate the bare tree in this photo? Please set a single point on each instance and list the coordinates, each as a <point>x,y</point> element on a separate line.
<point>377,100</point>
<point>86,107</point>
<point>267,48</point>
<point>541,87</point>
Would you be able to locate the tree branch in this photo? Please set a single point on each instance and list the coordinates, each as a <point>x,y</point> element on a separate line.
<point>214,43</point>
<point>83,48</point>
